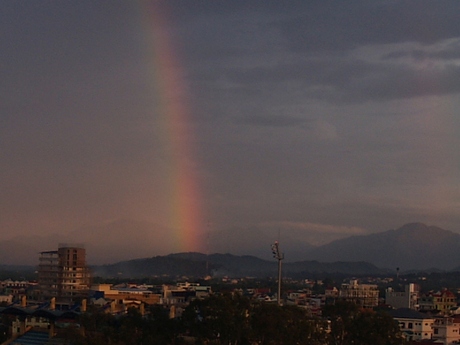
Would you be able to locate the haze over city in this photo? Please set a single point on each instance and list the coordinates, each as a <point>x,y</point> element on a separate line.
<point>217,126</point>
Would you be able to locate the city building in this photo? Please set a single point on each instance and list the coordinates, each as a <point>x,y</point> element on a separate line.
<point>122,295</point>
<point>403,299</point>
<point>183,293</point>
<point>365,295</point>
<point>444,301</point>
<point>426,304</point>
<point>63,274</point>
<point>447,330</point>
<point>413,324</point>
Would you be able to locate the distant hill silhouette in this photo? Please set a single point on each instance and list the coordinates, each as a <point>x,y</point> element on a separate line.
<point>201,265</point>
<point>413,246</point>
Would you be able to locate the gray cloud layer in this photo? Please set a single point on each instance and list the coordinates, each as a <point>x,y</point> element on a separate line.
<point>323,113</point>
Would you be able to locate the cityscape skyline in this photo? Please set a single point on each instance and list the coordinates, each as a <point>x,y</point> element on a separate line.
<point>314,119</point>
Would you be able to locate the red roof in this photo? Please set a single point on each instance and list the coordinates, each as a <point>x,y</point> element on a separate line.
<point>445,293</point>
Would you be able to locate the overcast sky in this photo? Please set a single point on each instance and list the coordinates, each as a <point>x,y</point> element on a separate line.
<point>320,119</point>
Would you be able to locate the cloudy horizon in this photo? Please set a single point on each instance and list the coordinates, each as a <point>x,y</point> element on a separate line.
<point>314,119</point>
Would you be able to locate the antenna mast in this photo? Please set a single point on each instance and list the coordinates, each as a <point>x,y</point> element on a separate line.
<point>278,256</point>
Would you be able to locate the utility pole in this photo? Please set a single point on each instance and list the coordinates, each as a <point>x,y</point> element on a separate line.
<point>278,256</point>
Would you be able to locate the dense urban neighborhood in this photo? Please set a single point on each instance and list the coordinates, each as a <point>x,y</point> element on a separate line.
<point>66,304</point>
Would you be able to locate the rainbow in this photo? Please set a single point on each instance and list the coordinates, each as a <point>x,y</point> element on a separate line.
<point>171,95</point>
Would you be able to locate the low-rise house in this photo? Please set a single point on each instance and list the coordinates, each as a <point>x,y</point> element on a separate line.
<point>296,298</point>
<point>183,293</point>
<point>331,292</point>
<point>454,311</point>
<point>6,299</point>
<point>125,294</point>
<point>425,303</point>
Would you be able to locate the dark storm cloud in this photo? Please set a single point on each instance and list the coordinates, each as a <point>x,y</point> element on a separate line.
<point>312,47</point>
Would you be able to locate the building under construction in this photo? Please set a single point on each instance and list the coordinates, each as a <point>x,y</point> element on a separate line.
<point>63,274</point>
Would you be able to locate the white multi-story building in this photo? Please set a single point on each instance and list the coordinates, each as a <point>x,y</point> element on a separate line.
<point>413,324</point>
<point>447,330</point>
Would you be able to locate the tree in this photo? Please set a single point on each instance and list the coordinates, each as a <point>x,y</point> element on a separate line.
<point>222,319</point>
<point>99,327</point>
<point>351,326</point>
<point>273,324</point>
<point>160,329</point>
<point>375,328</point>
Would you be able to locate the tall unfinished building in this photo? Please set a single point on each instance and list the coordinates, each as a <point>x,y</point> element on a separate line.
<point>63,274</point>
<point>365,295</point>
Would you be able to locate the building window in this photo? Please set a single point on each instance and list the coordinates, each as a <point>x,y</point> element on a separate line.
<point>410,325</point>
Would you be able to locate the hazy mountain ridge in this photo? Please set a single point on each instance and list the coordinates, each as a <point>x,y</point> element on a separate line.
<point>413,246</point>
<point>128,239</point>
<point>200,265</point>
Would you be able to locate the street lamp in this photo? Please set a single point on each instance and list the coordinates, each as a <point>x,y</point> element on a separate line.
<point>278,256</point>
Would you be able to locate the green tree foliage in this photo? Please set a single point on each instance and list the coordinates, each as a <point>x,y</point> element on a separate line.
<point>220,318</point>
<point>350,326</point>
<point>272,324</point>
<point>98,328</point>
<point>232,319</point>
<point>132,328</point>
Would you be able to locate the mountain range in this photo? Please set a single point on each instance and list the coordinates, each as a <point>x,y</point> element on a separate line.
<point>220,265</point>
<point>412,246</point>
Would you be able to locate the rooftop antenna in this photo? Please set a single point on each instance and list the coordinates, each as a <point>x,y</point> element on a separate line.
<point>278,256</point>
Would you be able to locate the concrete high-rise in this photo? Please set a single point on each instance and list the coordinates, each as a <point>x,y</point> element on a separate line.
<point>63,274</point>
